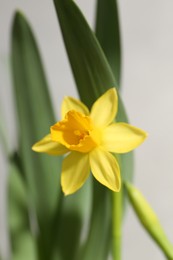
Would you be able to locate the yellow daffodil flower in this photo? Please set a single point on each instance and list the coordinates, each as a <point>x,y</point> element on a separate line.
<point>91,138</point>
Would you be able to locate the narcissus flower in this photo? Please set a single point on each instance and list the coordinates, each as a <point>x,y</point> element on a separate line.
<point>90,138</point>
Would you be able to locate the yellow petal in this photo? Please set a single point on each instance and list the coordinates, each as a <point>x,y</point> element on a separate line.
<point>46,145</point>
<point>105,169</point>
<point>122,138</point>
<point>75,171</point>
<point>70,103</point>
<point>105,108</point>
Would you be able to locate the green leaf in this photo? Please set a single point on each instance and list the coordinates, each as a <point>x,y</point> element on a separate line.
<point>108,34</point>
<point>149,220</point>
<point>72,220</point>
<point>84,52</point>
<point>23,244</point>
<point>93,77</point>
<point>97,244</point>
<point>35,118</point>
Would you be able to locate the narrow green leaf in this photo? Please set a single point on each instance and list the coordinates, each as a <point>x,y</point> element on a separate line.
<point>72,221</point>
<point>35,117</point>
<point>149,220</point>
<point>97,244</point>
<point>93,77</point>
<point>23,244</point>
<point>108,34</point>
<point>85,54</point>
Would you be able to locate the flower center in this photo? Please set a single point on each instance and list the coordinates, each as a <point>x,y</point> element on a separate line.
<point>76,132</point>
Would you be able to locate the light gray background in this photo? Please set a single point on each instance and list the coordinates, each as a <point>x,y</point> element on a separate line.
<point>147,37</point>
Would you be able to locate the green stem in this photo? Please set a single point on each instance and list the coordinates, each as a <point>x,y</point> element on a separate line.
<point>116,225</point>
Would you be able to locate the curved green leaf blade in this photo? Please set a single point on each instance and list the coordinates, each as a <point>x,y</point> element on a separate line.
<point>98,243</point>
<point>108,34</point>
<point>35,117</point>
<point>84,52</point>
<point>23,244</point>
<point>72,219</point>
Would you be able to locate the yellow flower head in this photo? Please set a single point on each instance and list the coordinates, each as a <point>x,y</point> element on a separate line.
<point>90,137</point>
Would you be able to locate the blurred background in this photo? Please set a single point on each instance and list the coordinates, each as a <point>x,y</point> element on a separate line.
<point>147,91</point>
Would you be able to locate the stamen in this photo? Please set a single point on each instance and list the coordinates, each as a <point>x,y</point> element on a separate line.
<point>77,132</point>
<point>81,134</point>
